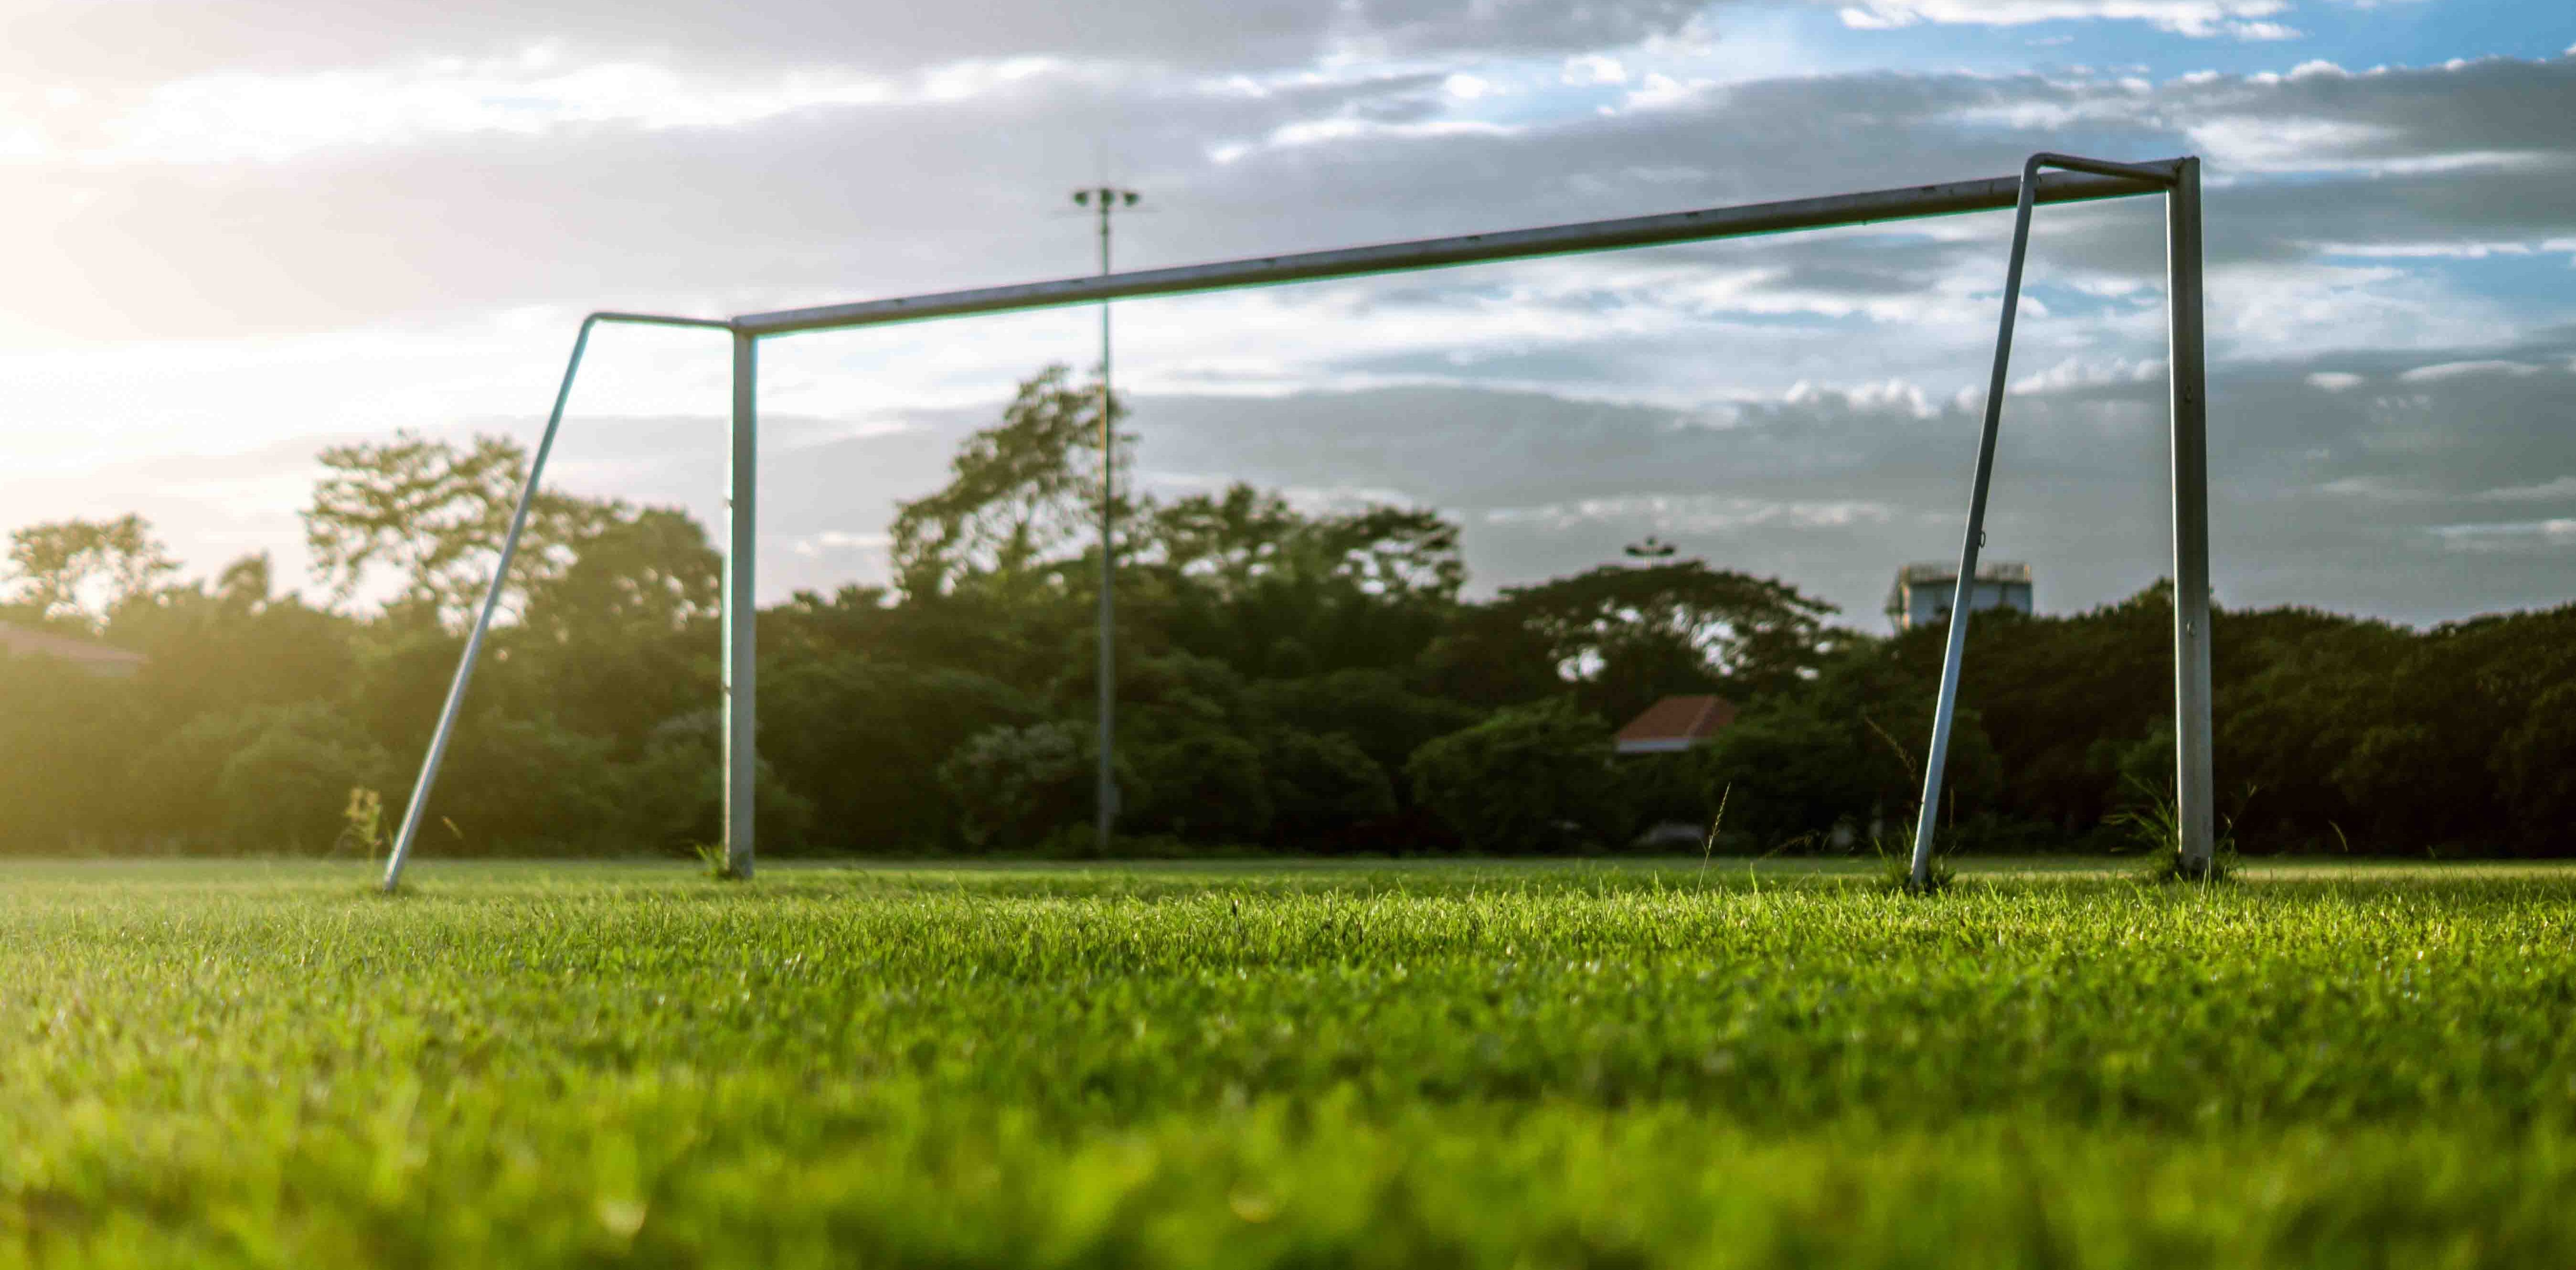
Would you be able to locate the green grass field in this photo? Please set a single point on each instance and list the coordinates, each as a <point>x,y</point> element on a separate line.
<point>1538,1065</point>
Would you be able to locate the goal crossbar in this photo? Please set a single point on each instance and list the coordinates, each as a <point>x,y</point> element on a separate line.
<point>2072,180</point>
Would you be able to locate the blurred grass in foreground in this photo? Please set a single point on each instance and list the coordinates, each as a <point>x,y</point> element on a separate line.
<point>1545,1064</point>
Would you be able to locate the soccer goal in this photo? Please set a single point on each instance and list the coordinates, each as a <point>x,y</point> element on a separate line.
<point>2046,178</point>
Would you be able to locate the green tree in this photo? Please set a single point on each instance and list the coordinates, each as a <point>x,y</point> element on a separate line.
<point>435,514</point>
<point>1251,580</point>
<point>1624,636</point>
<point>76,572</point>
<point>1021,497</point>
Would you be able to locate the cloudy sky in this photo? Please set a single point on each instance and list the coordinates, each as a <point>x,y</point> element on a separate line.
<point>238,230</point>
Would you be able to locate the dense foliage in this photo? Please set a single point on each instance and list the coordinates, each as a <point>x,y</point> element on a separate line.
<point>1582,1065</point>
<point>1289,678</point>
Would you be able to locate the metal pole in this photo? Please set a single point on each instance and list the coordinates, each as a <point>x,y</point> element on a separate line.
<point>1105,789</point>
<point>741,611</point>
<point>2195,783</point>
<point>1964,589</point>
<point>2095,181</point>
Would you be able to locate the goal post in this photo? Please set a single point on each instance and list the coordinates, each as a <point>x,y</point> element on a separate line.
<point>2048,179</point>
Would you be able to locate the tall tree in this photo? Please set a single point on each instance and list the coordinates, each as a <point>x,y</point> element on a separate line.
<point>1234,541</point>
<point>435,513</point>
<point>76,571</point>
<point>1274,590</point>
<point>1021,499</point>
<point>1627,634</point>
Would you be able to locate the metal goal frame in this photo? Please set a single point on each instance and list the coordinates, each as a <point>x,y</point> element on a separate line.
<point>2046,178</point>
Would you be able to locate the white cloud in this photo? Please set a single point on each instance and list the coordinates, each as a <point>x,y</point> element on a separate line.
<point>1466,87</point>
<point>2075,373</point>
<point>1659,91</point>
<point>2377,489</point>
<point>2452,250</point>
<point>228,117</point>
<point>834,541</point>
<point>2546,491</point>
<point>2183,17</point>
<point>2334,381</point>
<point>1700,514</point>
<point>1868,398</point>
<point>1593,68</point>
<point>1345,128</point>
<point>2454,370</point>
<point>2509,537</point>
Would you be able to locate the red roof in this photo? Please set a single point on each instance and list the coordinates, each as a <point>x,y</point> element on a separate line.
<point>1675,723</point>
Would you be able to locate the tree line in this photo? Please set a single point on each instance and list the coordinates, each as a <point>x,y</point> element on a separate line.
<point>1290,679</point>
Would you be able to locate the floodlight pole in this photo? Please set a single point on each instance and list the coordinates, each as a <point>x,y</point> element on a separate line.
<point>2181,181</point>
<point>1105,781</point>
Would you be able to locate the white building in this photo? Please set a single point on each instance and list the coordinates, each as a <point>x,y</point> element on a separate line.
<point>1923,592</point>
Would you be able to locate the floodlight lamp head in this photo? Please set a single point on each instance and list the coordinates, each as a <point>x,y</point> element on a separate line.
<point>1082,198</point>
<point>1131,198</point>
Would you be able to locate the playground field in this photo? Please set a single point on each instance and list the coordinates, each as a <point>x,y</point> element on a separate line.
<point>1285,1064</point>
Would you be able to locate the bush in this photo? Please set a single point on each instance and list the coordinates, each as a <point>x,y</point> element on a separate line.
<point>2536,766</point>
<point>1386,720</point>
<point>1012,785</point>
<point>67,741</point>
<point>1788,775</point>
<point>1670,789</point>
<point>514,785</point>
<point>864,739</point>
<point>286,789</point>
<point>174,781</point>
<point>673,795</point>
<point>1204,787</point>
<point>1322,787</point>
<point>1528,779</point>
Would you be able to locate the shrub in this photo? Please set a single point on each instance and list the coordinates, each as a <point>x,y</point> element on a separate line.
<point>1011,785</point>
<point>672,795</point>
<point>286,788</point>
<point>2536,766</point>
<point>513,785</point>
<point>1323,786</point>
<point>1202,786</point>
<point>1528,779</point>
<point>1385,719</point>
<point>864,738</point>
<point>1792,775</point>
<point>66,740</point>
